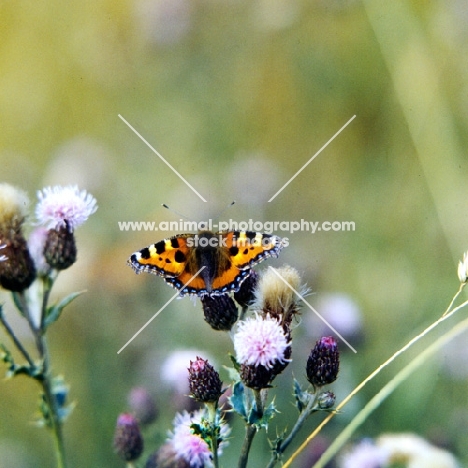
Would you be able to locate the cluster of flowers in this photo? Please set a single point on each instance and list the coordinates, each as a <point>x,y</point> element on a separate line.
<point>262,345</point>
<point>28,269</point>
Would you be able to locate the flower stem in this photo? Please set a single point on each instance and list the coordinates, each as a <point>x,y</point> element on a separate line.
<point>306,412</point>
<point>51,401</point>
<point>17,343</point>
<point>251,429</point>
<point>213,416</point>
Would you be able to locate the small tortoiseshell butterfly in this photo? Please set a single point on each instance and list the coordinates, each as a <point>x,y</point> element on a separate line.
<point>227,256</point>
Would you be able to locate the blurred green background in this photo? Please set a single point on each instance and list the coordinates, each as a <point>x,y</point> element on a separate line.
<point>237,95</point>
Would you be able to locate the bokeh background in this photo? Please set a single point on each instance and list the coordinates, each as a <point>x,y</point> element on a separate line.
<point>237,95</point>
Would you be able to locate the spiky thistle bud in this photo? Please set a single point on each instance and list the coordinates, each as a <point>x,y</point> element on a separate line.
<point>326,400</point>
<point>17,270</point>
<point>128,441</point>
<point>324,362</point>
<point>204,381</point>
<point>220,311</point>
<point>60,248</point>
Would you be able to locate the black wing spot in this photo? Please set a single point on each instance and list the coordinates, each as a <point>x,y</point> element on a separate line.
<point>175,243</point>
<point>234,251</point>
<point>167,260</point>
<point>246,251</point>
<point>145,253</point>
<point>251,235</point>
<point>160,247</point>
<point>180,257</point>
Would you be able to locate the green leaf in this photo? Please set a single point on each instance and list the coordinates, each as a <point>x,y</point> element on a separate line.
<point>238,400</point>
<point>261,421</point>
<point>53,312</point>
<point>302,397</point>
<point>18,303</point>
<point>14,369</point>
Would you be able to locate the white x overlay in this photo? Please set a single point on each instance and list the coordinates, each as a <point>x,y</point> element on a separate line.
<point>312,158</point>
<point>160,157</point>
<point>160,310</point>
<point>311,308</point>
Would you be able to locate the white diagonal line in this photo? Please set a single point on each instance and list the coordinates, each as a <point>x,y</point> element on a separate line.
<point>312,158</point>
<point>159,155</point>
<point>311,308</point>
<point>160,310</point>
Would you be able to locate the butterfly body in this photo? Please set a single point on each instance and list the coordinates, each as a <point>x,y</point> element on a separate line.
<point>221,261</point>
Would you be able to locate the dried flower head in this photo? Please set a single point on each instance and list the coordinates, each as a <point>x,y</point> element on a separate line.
<point>64,207</point>
<point>17,270</point>
<point>274,295</point>
<point>324,362</point>
<point>128,441</point>
<point>189,446</point>
<point>14,204</point>
<point>220,311</point>
<point>205,384</point>
<point>3,258</point>
<point>260,341</point>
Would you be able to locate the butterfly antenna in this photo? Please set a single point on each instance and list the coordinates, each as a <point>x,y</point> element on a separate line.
<point>225,208</point>
<point>176,212</point>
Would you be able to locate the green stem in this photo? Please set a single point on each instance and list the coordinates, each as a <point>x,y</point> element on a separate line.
<point>17,343</point>
<point>212,415</point>
<point>308,410</point>
<point>51,401</point>
<point>251,429</point>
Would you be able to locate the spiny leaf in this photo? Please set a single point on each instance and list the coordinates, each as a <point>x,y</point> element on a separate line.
<point>53,312</point>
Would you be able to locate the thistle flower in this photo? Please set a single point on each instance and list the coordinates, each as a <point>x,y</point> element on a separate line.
<point>220,311</point>
<point>64,207</point>
<point>128,441</point>
<point>165,457</point>
<point>189,446</point>
<point>62,210</point>
<point>365,455</point>
<point>205,384</point>
<point>17,270</point>
<point>142,405</point>
<point>324,362</point>
<point>274,295</point>
<point>263,350</point>
<point>463,268</point>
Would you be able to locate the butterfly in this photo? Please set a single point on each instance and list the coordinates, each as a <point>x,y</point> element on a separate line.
<point>226,257</point>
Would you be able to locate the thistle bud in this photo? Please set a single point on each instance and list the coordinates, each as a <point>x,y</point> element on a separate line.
<point>324,362</point>
<point>60,248</point>
<point>128,441</point>
<point>220,311</point>
<point>17,270</point>
<point>204,381</point>
<point>326,400</point>
<point>256,377</point>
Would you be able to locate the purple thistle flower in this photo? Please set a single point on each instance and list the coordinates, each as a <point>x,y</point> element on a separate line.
<point>189,446</point>
<point>260,341</point>
<point>64,207</point>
